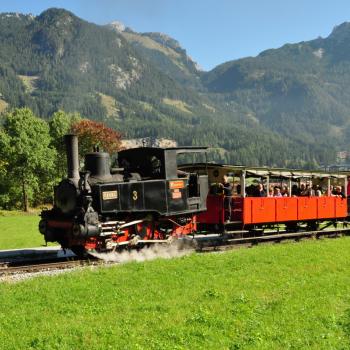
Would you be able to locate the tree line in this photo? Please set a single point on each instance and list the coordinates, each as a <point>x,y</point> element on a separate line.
<point>32,153</point>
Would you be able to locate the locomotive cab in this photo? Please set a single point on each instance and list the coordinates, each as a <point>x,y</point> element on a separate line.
<point>153,183</point>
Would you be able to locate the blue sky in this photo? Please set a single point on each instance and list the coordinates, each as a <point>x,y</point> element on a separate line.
<point>212,31</point>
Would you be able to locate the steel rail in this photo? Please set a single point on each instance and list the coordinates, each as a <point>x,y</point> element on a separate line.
<point>228,242</point>
<point>7,269</point>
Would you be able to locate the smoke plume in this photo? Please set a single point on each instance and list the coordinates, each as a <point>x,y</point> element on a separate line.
<point>148,253</point>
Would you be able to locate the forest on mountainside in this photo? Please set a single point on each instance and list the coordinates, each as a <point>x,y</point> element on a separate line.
<point>286,107</point>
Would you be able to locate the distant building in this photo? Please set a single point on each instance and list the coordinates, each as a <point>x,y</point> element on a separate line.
<point>148,142</point>
<point>336,167</point>
<point>342,156</point>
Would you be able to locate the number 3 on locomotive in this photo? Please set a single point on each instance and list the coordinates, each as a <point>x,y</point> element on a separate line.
<point>134,195</point>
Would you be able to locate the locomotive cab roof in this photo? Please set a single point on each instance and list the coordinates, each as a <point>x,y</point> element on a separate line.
<point>155,162</point>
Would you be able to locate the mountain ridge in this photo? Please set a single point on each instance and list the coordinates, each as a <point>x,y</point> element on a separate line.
<point>252,110</point>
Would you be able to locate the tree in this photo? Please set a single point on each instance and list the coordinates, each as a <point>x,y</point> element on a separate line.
<point>27,156</point>
<point>60,124</point>
<point>91,133</point>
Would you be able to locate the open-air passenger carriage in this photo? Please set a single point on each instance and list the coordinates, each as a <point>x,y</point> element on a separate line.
<point>248,211</point>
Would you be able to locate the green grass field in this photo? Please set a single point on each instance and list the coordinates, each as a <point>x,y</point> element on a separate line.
<point>19,231</point>
<point>286,296</point>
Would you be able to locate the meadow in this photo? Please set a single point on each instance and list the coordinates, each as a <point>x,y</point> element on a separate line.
<point>285,296</point>
<point>19,230</point>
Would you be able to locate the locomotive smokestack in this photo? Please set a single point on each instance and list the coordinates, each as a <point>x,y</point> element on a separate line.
<point>71,142</point>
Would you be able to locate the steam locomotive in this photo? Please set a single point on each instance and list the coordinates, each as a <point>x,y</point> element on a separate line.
<point>145,200</point>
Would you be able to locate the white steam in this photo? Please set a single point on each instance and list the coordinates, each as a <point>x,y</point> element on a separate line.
<point>148,253</point>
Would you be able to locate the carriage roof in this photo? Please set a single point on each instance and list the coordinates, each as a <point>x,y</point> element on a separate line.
<point>266,171</point>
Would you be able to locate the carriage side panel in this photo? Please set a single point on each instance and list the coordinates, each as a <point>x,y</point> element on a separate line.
<point>286,209</point>
<point>307,208</point>
<point>325,207</point>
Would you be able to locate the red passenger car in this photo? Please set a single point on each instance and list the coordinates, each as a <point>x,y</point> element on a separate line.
<point>248,211</point>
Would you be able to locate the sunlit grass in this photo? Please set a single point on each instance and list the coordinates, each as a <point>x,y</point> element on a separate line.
<point>18,230</point>
<point>287,296</point>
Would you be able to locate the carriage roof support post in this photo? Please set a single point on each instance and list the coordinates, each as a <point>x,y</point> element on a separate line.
<point>328,186</point>
<point>243,183</point>
<point>267,185</point>
<point>290,187</point>
<point>346,186</point>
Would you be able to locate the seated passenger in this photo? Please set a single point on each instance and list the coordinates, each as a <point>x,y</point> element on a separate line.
<point>308,191</point>
<point>333,191</point>
<point>260,191</point>
<point>295,191</point>
<point>284,191</point>
<point>318,190</point>
<point>250,191</point>
<point>277,192</point>
<point>338,192</point>
<point>302,190</point>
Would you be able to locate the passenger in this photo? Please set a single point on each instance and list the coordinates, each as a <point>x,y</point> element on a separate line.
<point>260,191</point>
<point>302,190</point>
<point>215,189</point>
<point>334,191</point>
<point>271,191</point>
<point>309,191</point>
<point>295,191</point>
<point>277,192</point>
<point>284,191</point>
<point>348,187</point>
<point>250,190</point>
<point>317,190</point>
<point>339,192</point>
<point>227,191</point>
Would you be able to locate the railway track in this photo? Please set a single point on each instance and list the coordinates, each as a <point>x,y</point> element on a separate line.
<point>231,241</point>
<point>205,244</point>
<point>27,266</point>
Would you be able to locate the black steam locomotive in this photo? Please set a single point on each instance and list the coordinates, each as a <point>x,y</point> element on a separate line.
<point>145,200</point>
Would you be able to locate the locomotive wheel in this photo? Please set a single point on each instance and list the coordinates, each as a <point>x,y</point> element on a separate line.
<point>79,251</point>
<point>144,230</point>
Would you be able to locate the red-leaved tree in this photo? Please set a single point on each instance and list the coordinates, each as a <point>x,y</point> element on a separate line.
<point>91,133</point>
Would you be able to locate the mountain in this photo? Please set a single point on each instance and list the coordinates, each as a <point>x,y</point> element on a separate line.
<point>281,108</point>
<point>58,61</point>
<point>300,90</point>
<point>57,55</point>
<point>165,52</point>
